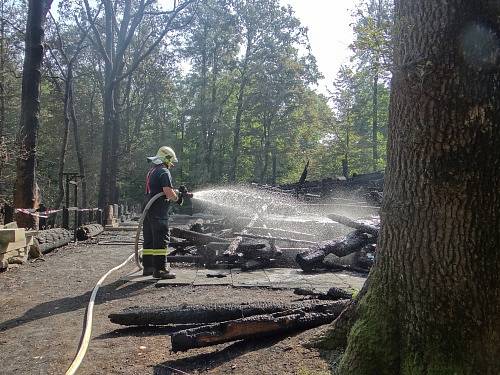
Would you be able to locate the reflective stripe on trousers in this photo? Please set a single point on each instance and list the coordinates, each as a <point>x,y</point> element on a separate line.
<point>162,252</point>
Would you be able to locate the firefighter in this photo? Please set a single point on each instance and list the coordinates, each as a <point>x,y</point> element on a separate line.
<point>155,226</point>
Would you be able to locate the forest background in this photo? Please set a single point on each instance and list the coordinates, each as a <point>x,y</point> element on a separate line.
<point>229,84</point>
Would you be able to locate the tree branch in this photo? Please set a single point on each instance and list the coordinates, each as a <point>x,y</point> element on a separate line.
<point>135,64</point>
<point>98,43</point>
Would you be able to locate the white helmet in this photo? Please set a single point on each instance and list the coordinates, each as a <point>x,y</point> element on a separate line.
<point>165,154</point>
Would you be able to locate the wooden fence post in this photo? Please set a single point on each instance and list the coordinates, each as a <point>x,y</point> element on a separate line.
<point>65,218</point>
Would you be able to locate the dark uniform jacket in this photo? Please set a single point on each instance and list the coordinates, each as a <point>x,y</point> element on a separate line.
<point>158,177</point>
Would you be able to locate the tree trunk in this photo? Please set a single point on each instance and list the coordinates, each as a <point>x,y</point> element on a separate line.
<point>109,112</point>
<point>104,178</point>
<point>25,190</point>
<point>375,121</point>
<point>2,92</point>
<point>239,110</point>
<point>433,306</point>
<point>267,147</point>
<point>274,166</point>
<point>64,144</point>
<point>76,135</point>
<point>115,156</point>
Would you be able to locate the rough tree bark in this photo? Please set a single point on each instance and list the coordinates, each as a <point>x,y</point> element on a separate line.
<point>26,190</point>
<point>433,306</point>
<point>2,91</point>
<point>240,107</point>
<point>64,144</point>
<point>76,135</point>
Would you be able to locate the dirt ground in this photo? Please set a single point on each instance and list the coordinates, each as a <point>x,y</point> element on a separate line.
<point>42,306</point>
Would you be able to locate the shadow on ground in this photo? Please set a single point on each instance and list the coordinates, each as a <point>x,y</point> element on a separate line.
<point>208,361</point>
<point>106,293</point>
<point>145,331</point>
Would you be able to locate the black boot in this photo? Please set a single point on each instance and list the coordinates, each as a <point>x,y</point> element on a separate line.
<point>163,274</point>
<point>160,271</point>
<point>147,264</point>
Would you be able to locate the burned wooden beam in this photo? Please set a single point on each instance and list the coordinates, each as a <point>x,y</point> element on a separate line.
<point>291,240</point>
<point>85,232</point>
<point>353,224</point>
<point>265,252</point>
<point>277,230</point>
<point>233,246</point>
<point>190,314</point>
<point>314,257</point>
<point>258,326</point>
<point>185,259</point>
<point>198,238</point>
<point>332,293</point>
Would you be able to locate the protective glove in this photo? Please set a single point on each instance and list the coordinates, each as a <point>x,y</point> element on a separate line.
<point>183,193</point>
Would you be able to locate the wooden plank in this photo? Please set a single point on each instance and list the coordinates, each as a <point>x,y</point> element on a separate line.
<point>275,238</point>
<point>12,235</point>
<point>6,247</point>
<point>236,242</point>
<point>198,238</point>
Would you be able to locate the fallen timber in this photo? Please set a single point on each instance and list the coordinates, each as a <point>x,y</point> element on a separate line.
<point>231,250</point>
<point>88,231</point>
<point>333,293</point>
<point>50,239</point>
<point>276,238</point>
<point>195,314</point>
<point>199,238</point>
<point>313,258</point>
<point>258,326</point>
<point>355,241</point>
<point>353,224</point>
<point>268,230</point>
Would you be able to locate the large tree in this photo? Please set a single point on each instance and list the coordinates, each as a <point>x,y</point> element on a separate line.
<point>26,192</point>
<point>433,301</point>
<point>114,47</point>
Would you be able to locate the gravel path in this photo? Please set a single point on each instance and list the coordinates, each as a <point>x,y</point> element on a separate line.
<point>42,307</point>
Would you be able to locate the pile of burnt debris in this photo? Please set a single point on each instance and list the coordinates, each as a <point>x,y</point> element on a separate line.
<point>367,187</point>
<point>223,242</point>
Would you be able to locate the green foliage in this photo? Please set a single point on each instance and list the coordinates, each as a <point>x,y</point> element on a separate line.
<point>360,94</point>
<point>226,67</point>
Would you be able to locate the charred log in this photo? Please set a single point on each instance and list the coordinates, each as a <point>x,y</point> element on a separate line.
<point>353,224</point>
<point>189,314</point>
<point>314,257</point>
<point>85,232</point>
<point>332,293</point>
<point>258,326</point>
<point>195,237</point>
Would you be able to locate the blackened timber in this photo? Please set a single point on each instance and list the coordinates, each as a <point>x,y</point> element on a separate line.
<point>85,232</point>
<point>258,326</point>
<point>332,293</point>
<point>292,240</point>
<point>353,224</point>
<point>266,253</point>
<point>189,314</point>
<point>198,238</point>
<point>314,257</point>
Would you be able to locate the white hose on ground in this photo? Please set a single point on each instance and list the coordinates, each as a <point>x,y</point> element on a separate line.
<point>87,328</point>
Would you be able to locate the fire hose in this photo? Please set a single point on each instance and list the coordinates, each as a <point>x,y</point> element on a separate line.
<point>87,327</point>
